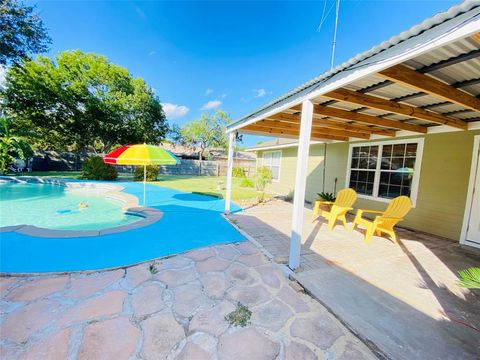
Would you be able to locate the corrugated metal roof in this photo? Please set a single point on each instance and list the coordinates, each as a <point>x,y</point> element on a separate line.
<point>426,59</point>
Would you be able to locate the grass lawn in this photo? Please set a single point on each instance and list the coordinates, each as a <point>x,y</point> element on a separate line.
<point>209,185</point>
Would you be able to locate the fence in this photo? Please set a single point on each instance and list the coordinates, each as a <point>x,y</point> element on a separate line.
<point>205,168</point>
<point>67,161</point>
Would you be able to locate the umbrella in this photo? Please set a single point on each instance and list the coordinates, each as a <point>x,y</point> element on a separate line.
<point>141,154</point>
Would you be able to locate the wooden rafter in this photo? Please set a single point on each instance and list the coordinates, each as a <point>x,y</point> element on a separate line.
<point>411,78</point>
<point>367,119</point>
<point>291,132</point>
<point>378,103</point>
<point>321,122</point>
<point>315,128</point>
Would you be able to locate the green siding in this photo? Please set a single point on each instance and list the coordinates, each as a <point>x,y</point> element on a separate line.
<point>442,188</point>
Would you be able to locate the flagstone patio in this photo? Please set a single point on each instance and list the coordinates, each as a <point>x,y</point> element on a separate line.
<point>175,310</point>
<point>402,300</point>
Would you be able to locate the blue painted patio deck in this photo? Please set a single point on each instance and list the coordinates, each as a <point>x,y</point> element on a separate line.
<point>190,221</point>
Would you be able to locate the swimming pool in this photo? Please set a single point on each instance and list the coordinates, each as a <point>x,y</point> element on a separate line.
<point>189,221</point>
<point>57,207</point>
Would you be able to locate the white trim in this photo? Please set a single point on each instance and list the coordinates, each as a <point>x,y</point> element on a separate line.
<point>468,204</point>
<point>279,164</point>
<point>416,172</point>
<point>228,192</point>
<point>300,184</point>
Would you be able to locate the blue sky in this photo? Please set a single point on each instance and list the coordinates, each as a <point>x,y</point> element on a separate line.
<point>236,56</point>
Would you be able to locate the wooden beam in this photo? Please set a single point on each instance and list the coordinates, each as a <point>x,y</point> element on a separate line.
<point>291,132</point>
<point>411,78</point>
<point>320,121</point>
<point>375,102</point>
<point>324,129</point>
<point>367,119</point>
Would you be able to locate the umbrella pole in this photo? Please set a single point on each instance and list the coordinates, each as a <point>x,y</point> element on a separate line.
<point>144,181</point>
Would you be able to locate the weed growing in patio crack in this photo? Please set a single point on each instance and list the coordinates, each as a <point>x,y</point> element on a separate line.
<point>153,269</point>
<point>240,316</point>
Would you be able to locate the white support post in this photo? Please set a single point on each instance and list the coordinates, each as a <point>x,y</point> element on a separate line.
<point>300,184</point>
<point>231,144</point>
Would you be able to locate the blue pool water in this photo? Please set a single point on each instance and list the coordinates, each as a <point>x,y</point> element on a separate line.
<point>54,207</point>
<point>190,221</point>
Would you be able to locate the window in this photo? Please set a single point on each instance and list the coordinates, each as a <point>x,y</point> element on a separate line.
<point>271,159</point>
<point>385,170</point>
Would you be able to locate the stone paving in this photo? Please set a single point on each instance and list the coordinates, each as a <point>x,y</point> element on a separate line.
<point>403,299</point>
<point>175,311</point>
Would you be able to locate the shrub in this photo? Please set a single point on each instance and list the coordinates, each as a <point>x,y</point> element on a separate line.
<point>262,178</point>
<point>238,172</point>
<point>152,173</point>
<point>246,182</point>
<point>95,169</point>
<point>327,196</point>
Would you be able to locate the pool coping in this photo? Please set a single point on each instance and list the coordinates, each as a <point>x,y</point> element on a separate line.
<point>111,191</point>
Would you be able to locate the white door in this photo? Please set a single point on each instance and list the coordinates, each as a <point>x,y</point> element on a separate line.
<point>473,230</point>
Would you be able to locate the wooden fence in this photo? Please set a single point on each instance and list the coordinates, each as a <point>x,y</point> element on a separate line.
<point>205,168</point>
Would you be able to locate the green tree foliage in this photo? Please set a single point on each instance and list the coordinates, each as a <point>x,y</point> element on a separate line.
<point>82,101</point>
<point>12,143</point>
<point>208,131</point>
<point>21,32</point>
<point>95,169</point>
<point>469,278</point>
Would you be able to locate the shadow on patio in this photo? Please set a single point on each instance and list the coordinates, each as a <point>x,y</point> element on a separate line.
<point>403,300</point>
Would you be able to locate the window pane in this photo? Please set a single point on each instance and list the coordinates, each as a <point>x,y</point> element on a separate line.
<point>275,172</point>
<point>383,191</point>
<point>394,191</point>
<point>363,163</point>
<point>355,151</point>
<point>411,150</point>
<point>397,163</point>
<point>364,150</point>
<point>362,176</point>
<point>384,178</point>
<point>409,164</point>
<point>386,163</point>
<point>396,178</point>
<point>387,150</point>
<point>354,175</point>
<point>406,190</point>
<point>354,164</point>
<point>398,150</point>
<point>371,176</point>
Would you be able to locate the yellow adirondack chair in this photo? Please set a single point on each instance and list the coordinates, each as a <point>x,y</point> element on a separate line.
<point>343,203</point>
<point>386,220</point>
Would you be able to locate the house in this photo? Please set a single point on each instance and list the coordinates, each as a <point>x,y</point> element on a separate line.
<point>402,118</point>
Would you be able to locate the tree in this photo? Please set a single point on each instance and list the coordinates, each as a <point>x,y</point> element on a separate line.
<point>21,32</point>
<point>82,101</point>
<point>12,143</point>
<point>208,131</point>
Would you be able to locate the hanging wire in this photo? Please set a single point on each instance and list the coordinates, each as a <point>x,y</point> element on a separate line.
<point>325,14</point>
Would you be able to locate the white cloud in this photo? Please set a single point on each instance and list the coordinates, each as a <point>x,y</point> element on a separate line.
<point>259,92</point>
<point>174,111</point>
<point>208,91</point>
<point>212,104</point>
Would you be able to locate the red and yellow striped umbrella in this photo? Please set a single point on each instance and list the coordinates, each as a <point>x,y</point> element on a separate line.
<point>141,154</point>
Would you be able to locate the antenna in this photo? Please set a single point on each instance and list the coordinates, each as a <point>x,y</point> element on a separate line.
<point>335,33</point>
